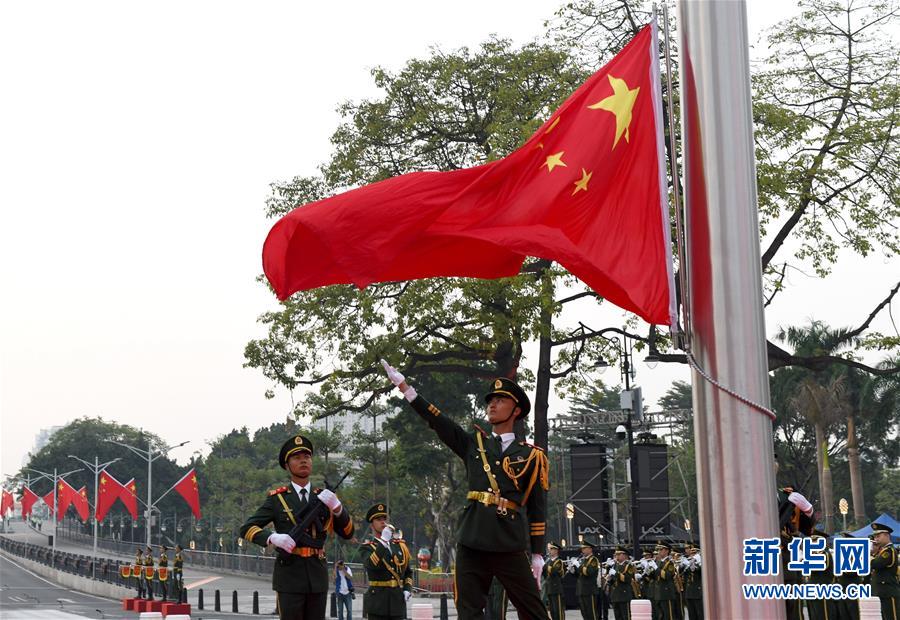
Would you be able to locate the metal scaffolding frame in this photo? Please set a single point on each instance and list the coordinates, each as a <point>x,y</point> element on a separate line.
<point>574,427</point>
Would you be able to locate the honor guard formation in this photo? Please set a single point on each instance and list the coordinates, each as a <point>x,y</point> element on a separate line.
<point>500,540</point>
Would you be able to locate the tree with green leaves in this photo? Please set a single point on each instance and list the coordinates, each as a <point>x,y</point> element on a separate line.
<point>89,437</point>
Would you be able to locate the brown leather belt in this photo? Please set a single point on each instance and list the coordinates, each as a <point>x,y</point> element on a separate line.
<point>490,499</point>
<point>308,552</point>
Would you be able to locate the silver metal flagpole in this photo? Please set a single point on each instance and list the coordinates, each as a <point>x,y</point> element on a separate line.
<point>734,445</point>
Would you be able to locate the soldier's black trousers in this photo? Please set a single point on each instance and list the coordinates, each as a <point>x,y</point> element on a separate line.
<point>890,607</point>
<point>695,608</point>
<point>295,606</point>
<point>474,571</point>
<point>588,606</point>
<point>556,606</point>
<point>620,611</point>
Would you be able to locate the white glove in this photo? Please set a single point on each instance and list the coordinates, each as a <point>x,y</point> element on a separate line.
<point>397,379</point>
<point>330,499</point>
<point>697,560</point>
<point>387,533</point>
<point>407,595</point>
<point>652,565</point>
<point>282,541</point>
<point>801,502</point>
<point>537,565</point>
<point>393,374</point>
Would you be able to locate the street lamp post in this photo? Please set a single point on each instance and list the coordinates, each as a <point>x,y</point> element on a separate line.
<point>150,457</point>
<point>55,514</point>
<point>96,468</point>
<point>632,471</point>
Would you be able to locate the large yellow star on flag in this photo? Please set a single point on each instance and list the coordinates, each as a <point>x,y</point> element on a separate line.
<point>620,104</point>
<point>554,160</point>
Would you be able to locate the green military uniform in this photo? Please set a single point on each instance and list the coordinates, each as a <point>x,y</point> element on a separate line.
<point>137,571</point>
<point>792,522</point>
<point>301,580</point>
<point>586,586</point>
<point>885,576</point>
<point>621,582</point>
<point>163,581</point>
<point>665,591</point>
<point>148,581</point>
<point>693,584</point>
<point>822,609</point>
<point>178,573</point>
<point>554,570</point>
<point>388,572</point>
<point>498,602</point>
<point>504,517</point>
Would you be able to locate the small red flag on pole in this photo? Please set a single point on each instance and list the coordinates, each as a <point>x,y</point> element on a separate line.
<point>187,488</point>
<point>29,497</point>
<point>110,490</point>
<point>129,498</point>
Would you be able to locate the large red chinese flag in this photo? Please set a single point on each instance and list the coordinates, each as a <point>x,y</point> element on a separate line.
<point>129,498</point>
<point>29,497</point>
<point>109,492</point>
<point>6,503</point>
<point>187,487</point>
<point>587,190</point>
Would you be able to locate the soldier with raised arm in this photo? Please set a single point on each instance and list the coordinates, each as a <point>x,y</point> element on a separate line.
<point>501,530</point>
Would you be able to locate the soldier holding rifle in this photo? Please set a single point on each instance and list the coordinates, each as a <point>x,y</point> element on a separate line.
<point>301,517</point>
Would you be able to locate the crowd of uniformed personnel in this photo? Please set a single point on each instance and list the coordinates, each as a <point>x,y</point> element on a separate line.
<point>150,575</point>
<point>501,535</point>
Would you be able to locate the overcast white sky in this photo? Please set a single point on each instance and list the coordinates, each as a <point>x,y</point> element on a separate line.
<point>137,142</point>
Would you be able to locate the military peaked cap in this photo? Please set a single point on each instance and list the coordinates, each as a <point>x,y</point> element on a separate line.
<point>378,510</point>
<point>510,389</point>
<point>297,443</point>
<point>880,527</point>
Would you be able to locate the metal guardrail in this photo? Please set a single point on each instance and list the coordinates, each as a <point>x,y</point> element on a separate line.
<point>259,564</point>
<point>108,570</point>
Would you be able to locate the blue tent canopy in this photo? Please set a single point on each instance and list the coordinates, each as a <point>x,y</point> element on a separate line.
<point>885,519</point>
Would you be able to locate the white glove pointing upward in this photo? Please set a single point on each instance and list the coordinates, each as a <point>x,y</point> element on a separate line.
<point>393,374</point>
<point>282,541</point>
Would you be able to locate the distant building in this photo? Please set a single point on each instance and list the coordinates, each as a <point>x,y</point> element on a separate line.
<point>40,440</point>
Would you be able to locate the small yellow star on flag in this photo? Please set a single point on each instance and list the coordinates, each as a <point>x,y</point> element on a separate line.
<point>582,184</point>
<point>554,160</point>
<point>620,104</point>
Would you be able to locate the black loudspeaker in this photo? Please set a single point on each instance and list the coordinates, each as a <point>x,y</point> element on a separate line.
<point>653,490</point>
<point>589,493</point>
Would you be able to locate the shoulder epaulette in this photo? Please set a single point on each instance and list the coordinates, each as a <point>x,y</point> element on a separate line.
<point>317,490</point>
<point>480,430</point>
<point>530,445</point>
<point>278,490</point>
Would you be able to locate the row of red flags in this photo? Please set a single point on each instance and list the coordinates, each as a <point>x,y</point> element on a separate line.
<point>110,491</point>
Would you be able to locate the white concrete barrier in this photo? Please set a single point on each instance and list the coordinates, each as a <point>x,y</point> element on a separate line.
<point>869,608</point>
<point>641,610</point>
<point>150,615</point>
<point>422,611</point>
